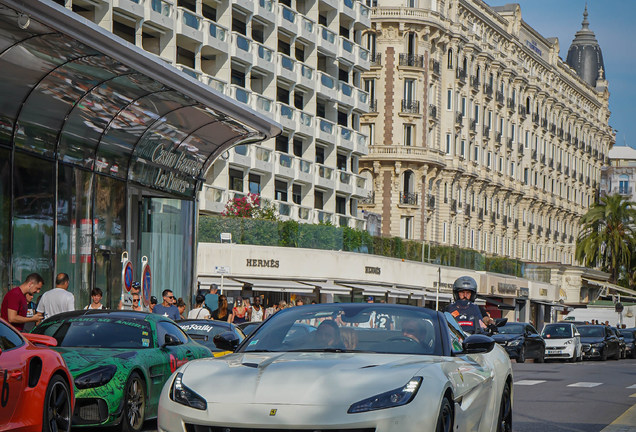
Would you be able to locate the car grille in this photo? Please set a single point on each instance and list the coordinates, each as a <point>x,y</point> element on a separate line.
<point>90,411</point>
<point>555,348</point>
<point>200,428</point>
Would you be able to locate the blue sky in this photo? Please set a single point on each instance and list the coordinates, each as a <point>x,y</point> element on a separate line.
<point>613,23</point>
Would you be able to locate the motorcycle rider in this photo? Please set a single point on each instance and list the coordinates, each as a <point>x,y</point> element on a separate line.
<point>467,314</point>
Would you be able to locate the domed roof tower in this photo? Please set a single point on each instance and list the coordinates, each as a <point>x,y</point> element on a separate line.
<point>585,55</point>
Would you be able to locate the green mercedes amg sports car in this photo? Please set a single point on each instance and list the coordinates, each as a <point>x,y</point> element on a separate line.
<point>119,361</point>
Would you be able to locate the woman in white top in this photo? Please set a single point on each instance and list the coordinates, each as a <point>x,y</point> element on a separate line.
<point>199,311</point>
<point>96,299</point>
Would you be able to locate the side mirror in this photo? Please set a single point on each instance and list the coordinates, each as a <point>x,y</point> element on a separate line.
<point>577,334</point>
<point>500,322</point>
<point>478,344</point>
<point>226,341</point>
<point>170,340</point>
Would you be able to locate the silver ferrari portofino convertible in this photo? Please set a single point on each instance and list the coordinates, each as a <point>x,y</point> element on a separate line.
<point>363,368</point>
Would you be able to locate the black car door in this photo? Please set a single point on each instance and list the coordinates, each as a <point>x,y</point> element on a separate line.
<point>611,341</point>
<point>531,342</point>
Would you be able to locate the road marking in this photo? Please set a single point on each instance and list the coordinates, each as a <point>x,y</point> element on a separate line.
<point>634,395</point>
<point>585,384</point>
<point>528,382</point>
<point>632,386</point>
<point>624,423</point>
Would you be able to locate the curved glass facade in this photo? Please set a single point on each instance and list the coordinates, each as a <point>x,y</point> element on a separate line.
<point>98,158</point>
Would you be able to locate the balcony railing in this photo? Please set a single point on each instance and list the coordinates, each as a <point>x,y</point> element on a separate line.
<point>432,111</point>
<point>534,155</point>
<point>412,60</point>
<point>544,123</point>
<point>520,149</point>
<point>480,214</point>
<point>435,66</point>
<point>461,74</point>
<point>410,107</point>
<point>431,202</point>
<point>511,104</point>
<point>499,96</point>
<point>522,110</point>
<point>369,199</point>
<point>488,90</point>
<point>408,198</point>
<point>473,125</point>
<point>474,83</point>
<point>453,208</point>
<point>373,105</point>
<point>459,118</point>
<point>535,118</point>
<point>486,131</point>
<point>376,59</point>
<point>498,138</point>
<point>509,144</point>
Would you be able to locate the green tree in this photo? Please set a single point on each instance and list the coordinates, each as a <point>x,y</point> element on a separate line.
<point>607,235</point>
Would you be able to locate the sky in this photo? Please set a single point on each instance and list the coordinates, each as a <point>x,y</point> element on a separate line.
<point>613,23</point>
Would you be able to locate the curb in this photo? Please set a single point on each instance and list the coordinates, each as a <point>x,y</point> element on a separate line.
<point>625,423</point>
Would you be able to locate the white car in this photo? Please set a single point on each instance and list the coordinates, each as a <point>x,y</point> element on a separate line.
<point>562,341</point>
<point>412,369</point>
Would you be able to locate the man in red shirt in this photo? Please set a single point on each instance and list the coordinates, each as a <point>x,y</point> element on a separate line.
<point>14,304</point>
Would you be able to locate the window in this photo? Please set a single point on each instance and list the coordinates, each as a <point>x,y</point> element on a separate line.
<point>512,132</point>
<point>341,205</point>
<point>407,227</point>
<point>280,193</point>
<point>527,143</point>
<point>623,184</point>
<point>489,119</point>
<point>320,155</point>
<point>9,339</point>
<point>489,160</point>
<point>255,184</point>
<point>463,107</point>
<point>409,90</point>
<point>166,328</point>
<point>449,99</point>
<point>476,113</point>
<point>408,135</point>
<point>525,175</point>
<point>450,59</point>
<point>500,164</point>
<point>476,154</point>
<point>297,194</point>
<point>444,232</point>
<point>512,169</point>
<point>448,143</point>
<point>236,180</point>
<point>319,200</point>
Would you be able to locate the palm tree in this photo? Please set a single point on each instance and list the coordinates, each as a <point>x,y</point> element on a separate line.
<point>608,235</point>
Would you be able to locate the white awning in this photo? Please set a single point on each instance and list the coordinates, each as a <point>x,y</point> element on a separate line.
<point>372,290</point>
<point>432,295</point>
<point>228,284</point>
<point>278,285</point>
<point>329,288</point>
<point>416,293</point>
<point>399,293</point>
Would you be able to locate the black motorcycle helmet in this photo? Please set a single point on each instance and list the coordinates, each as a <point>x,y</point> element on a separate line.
<point>465,283</point>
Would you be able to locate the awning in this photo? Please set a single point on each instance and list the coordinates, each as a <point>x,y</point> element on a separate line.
<point>500,305</point>
<point>277,285</point>
<point>329,288</point>
<point>371,290</point>
<point>414,292</point>
<point>399,293</point>
<point>74,92</point>
<point>228,284</point>
<point>545,302</point>
<point>432,296</point>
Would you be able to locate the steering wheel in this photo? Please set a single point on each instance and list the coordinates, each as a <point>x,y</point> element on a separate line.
<point>402,339</point>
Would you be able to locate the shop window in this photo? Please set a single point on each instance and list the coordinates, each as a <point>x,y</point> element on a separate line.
<point>236,180</point>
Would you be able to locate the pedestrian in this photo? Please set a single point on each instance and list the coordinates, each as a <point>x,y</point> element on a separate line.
<point>199,311</point>
<point>182,307</point>
<point>57,300</point>
<point>136,306</point>
<point>257,312</point>
<point>31,306</point>
<point>299,301</point>
<point>14,306</point>
<point>239,312</point>
<point>221,313</point>
<point>167,308</point>
<point>153,303</point>
<point>212,299</point>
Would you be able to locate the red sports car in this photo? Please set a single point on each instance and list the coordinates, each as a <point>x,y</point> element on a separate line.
<point>36,391</point>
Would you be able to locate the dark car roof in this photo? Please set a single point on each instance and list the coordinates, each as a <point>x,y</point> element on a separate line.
<point>214,323</point>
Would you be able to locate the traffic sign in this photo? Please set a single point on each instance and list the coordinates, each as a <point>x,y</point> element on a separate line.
<point>146,281</point>
<point>222,270</point>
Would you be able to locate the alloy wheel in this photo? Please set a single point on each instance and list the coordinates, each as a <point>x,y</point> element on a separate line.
<point>445,420</point>
<point>505,411</point>
<point>58,409</point>
<point>135,403</point>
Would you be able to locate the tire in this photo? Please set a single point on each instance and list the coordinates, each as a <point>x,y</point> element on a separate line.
<point>580,357</point>
<point>522,355</point>
<point>134,410</point>
<point>541,358</point>
<point>634,353</point>
<point>445,418</point>
<point>574,358</point>
<point>57,413</point>
<point>617,356</point>
<point>504,421</point>
<point>604,354</point>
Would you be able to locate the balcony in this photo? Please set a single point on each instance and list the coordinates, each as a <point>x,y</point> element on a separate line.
<point>240,94</point>
<point>212,199</point>
<point>360,187</point>
<point>344,183</point>
<point>285,166</point>
<point>286,116</point>
<point>560,133</point>
<point>246,5</point>
<point>345,138</point>
<point>216,36</point>
<point>460,74</point>
<point>410,107</point>
<point>346,50</point>
<point>499,97</point>
<point>363,58</point>
<point>287,20</point>
<point>307,30</point>
<point>286,68</point>
<point>361,144</point>
<point>498,137</point>
<point>347,8</point>
<point>373,106</point>
<point>376,60</point>
<point>432,112</point>
<point>552,128</point>
<point>161,13</point>
<point>543,159</point>
<point>520,149</point>
<point>488,90</point>
<point>133,8</point>
<point>544,123</point>
<point>472,125</point>
<point>368,200</point>
<point>263,159</point>
<point>550,163</point>
<point>327,41</point>
<point>453,206</point>
<point>362,100</point>
<point>345,94</point>
<point>304,171</point>
<point>264,58</point>
<point>512,106</point>
<point>408,198</point>
<point>534,155</point>
<point>535,118</point>
<point>459,118</point>
<point>509,144</point>
<point>326,131</point>
<point>522,111</point>
<point>189,25</point>
<point>216,84</point>
<point>240,155</point>
<point>305,124</point>
<point>486,131</point>
<point>265,10</point>
<point>327,86</point>
<point>284,209</point>
<point>474,84</point>
<point>411,60</point>
<point>306,76</point>
<point>325,177</point>
<point>305,214</point>
<point>263,105</point>
<point>363,15</point>
<point>322,216</point>
<point>241,48</point>
<point>480,215</point>
<point>434,67</point>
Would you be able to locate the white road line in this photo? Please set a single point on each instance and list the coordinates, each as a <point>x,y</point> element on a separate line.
<point>632,386</point>
<point>528,382</point>
<point>585,384</point>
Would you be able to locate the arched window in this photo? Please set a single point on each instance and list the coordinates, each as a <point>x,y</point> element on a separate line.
<point>465,64</point>
<point>478,74</point>
<point>450,58</point>
<point>623,184</point>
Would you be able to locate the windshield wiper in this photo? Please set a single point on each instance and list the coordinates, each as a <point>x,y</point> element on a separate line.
<point>334,350</point>
<point>259,350</point>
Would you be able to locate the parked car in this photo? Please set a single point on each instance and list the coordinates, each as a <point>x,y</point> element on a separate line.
<point>599,342</point>
<point>621,341</point>
<point>630,340</point>
<point>204,330</point>
<point>521,341</point>
<point>562,341</point>
<point>248,327</point>
<point>37,394</point>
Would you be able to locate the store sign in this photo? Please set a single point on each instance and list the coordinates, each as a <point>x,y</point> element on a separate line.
<point>372,270</point>
<point>263,263</point>
<point>533,46</point>
<point>170,181</point>
<point>176,160</point>
<point>507,289</point>
<point>524,292</point>
<point>543,292</point>
<point>222,270</point>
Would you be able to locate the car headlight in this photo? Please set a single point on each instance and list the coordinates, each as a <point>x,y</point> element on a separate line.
<point>183,395</point>
<point>515,342</point>
<point>568,342</point>
<point>598,345</point>
<point>629,344</point>
<point>96,377</point>
<point>394,398</point>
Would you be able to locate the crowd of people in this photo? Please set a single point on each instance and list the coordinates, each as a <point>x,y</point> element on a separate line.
<point>606,323</point>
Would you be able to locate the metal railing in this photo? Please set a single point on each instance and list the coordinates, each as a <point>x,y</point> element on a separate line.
<point>408,198</point>
<point>412,60</point>
<point>459,118</point>
<point>410,106</point>
<point>376,60</point>
<point>435,66</point>
<point>373,105</point>
<point>432,111</point>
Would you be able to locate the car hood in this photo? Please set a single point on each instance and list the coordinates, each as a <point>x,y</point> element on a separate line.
<point>80,359</point>
<point>591,340</point>
<point>305,378</point>
<point>550,342</point>
<point>506,337</point>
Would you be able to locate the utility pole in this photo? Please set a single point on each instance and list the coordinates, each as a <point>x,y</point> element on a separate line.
<point>439,282</point>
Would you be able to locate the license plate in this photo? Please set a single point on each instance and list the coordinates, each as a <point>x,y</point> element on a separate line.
<point>555,352</point>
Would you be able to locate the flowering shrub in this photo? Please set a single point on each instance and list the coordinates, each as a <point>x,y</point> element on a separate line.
<point>250,207</point>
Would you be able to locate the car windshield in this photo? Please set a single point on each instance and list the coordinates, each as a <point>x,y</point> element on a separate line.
<point>627,334</point>
<point>512,329</point>
<point>360,327</point>
<point>592,331</point>
<point>557,331</point>
<point>203,332</point>
<point>98,331</point>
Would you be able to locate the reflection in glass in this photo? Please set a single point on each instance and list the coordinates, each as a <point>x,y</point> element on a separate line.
<point>241,150</point>
<point>325,126</point>
<point>327,35</point>
<point>190,20</point>
<point>307,72</point>
<point>217,32</point>
<point>286,111</point>
<point>305,166</point>
<point>242,43</point>
<point>263,154</point>
<point>346,89</point>
<point>289,15</point>
<point>348,46</point>
<point>287,62</point>
<point>75,230</point>
<point>264,53</point>
<point>5,220</point>
<point>327,81</point>
<point>33,213</point>
<point>110,212</point>
<point>285,160</point>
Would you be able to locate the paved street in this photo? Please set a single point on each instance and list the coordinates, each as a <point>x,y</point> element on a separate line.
<point>560,397</point>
